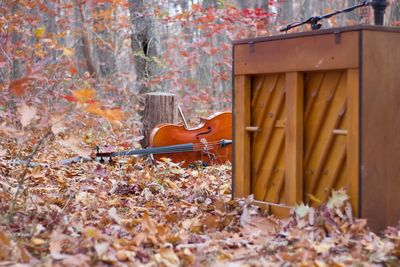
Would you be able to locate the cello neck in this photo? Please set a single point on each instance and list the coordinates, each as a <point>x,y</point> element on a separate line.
<point>165,149</point>
<point>155,150</point>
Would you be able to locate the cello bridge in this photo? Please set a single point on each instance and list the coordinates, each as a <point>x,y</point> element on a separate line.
<point>206,150</point>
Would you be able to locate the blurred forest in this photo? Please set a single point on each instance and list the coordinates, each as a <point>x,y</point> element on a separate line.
<point>73,75</point>
<point>121,49</point>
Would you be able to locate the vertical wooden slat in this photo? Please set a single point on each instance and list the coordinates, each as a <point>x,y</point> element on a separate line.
<point>241,137</point>
<point>353,137</point>
<point>294,138</point>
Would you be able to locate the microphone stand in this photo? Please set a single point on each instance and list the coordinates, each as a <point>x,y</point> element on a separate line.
<point>379,12</point>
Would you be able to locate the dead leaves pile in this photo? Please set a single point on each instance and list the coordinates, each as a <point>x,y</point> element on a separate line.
<point>134,214</point>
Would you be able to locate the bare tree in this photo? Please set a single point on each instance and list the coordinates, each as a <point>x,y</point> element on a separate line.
<point>144,43</point>
<point>84,44</point>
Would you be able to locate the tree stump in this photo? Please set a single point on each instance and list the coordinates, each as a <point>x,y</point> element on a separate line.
<point>159,108</point>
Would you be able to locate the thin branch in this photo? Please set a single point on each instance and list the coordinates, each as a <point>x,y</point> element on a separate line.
<point>22,177</point>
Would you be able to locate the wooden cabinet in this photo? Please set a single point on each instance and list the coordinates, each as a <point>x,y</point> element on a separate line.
<point>318,111</point>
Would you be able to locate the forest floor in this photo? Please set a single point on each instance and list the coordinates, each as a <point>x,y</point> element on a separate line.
<point>131,213</point>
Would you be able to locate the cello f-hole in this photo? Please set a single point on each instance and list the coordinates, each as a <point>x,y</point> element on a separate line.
<point>206,132</point>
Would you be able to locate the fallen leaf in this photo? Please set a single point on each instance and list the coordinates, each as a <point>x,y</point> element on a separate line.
<point>3,63</point>
<point>79,260</point>
<point>72,144</point>
<point>57,125</point>
<point>337,199</point>
<point>122,255</point>
<point>302,210</point>
<point>113,114</point>
<point>92,232</point>
<point>25,257</point>
<point>113,214</point>
<point>27,114</point>
<point>38,241</point>
<point>4,239</point>
<point>210,222</point>
<point>69,52</point>
<point>314,198</point>
<point>148,224</point>
<point>55,244</point>
<point>101,248</point>
<point>84,95</point>
<point>167,257</point>
<point>40,32</point>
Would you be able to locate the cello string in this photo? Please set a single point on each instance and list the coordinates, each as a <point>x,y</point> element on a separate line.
<point>173,150</point>
<point>210,145</point>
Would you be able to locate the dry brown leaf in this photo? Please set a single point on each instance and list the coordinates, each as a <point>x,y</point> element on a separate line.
<point>57,124</point>
<point>4,239</point>
<point>72,143</point>
<point>38,241</point>
<point>55,244</point>
<point>122,255</point>
<point>27,114</point>
<point>167,257</point>
<point>24,254</point>
<point>78,260</point>
<point>92,232</point>
<point>148,224</point>
<point>114,215</point>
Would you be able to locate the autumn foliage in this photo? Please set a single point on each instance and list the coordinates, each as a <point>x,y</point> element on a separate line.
<point>68,84</point>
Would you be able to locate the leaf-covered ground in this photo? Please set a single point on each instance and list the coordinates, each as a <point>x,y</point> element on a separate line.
<point>132,213</point>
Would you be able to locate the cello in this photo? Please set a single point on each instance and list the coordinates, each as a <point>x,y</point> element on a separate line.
<point>209,142</point>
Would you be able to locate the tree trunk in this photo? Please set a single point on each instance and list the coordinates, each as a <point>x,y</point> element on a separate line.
<point>106,60</point>
<point>85,44</point>
<point>144,43</point>
<point>159,108</point>
<point>17,67</point>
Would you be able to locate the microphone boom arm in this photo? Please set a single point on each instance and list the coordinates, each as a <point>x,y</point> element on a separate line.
<point>315,19</point>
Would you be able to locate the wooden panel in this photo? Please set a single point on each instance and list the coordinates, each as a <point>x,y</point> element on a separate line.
<point>290,35</point>
<point>267,144</point>
<point>294,138</point>
<point>241,144</point>
<point>325,142</point>
<point>312,53</point>
<point>380,126</point>
<point>353,140</point>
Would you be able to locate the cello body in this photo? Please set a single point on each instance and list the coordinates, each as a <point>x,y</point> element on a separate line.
<point>205,137</point>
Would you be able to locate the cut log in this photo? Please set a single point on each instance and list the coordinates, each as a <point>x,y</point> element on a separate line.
<point>159,108</point>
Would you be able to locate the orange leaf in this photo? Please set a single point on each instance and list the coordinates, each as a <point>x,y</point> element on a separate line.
<point>4,239</point>
<point>94,108</point>
<point>184,53</point>
<point>18,87</point>
<point>73,70</point>
<point>113,114</point>
<point>84,95</point>
<point>148,224</point>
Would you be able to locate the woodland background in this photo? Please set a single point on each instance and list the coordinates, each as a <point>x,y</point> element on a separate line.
<point>73,75</point>
<point>122,49</point>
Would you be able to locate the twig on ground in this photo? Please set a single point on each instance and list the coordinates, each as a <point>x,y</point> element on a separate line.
<point>22,177</point>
